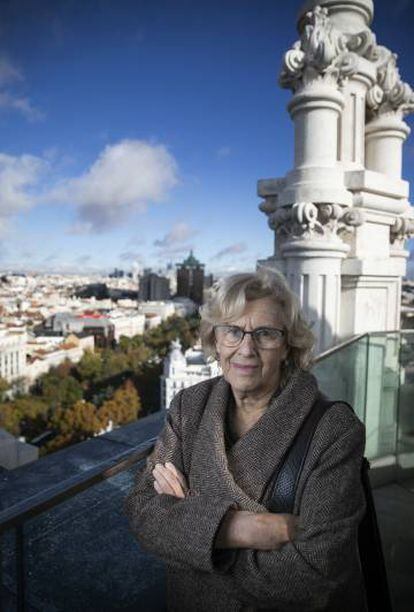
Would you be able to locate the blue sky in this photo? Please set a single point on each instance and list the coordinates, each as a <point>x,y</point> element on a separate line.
<point>91,90</point>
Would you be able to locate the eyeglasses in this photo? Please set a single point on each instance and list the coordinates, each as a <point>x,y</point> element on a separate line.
<point>264,337</point>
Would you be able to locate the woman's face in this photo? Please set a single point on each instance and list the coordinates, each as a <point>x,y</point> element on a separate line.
<point>251,370</point>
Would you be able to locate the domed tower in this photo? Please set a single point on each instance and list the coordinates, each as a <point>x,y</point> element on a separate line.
<point>190,279</point>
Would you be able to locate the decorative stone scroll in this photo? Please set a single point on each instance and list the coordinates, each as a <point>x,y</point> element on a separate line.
<point>309,220</point>
<point>397,96</point>
<point>402,230</point>
<point>325,53</point>
<point>320,54</point>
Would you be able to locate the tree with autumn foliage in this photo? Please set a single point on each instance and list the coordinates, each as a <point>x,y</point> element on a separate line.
<point>123,407</point>
<point>75,424</point>
<point>24,416</point>
<point>84,420</point>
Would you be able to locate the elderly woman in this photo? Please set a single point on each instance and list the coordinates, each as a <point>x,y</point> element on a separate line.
<point>201,503</point>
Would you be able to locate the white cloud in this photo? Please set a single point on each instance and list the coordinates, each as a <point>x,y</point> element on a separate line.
<point>233,249</point>
<point>9,99</point>
<point>130,256</point>
<point>20,104</point>
<point>8,72</point>
<point>126,176</point>
<point>19,177</point>
<point>174,251</point>
<point>180,232</point>
<point>83,259</point>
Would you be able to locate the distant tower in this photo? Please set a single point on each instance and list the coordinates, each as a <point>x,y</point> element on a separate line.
<point>190,279</point>
<point>153,287</point>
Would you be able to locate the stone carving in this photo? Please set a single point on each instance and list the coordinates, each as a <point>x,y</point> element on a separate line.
<point>402,230</point>
<point>326,54</point>
<point>321,53</point>
<point>321,42</point>
<point>268,205</point>
<point>364,44</point>
<point>309,220</point>
<point>375,97</point>
<point>397,96</point>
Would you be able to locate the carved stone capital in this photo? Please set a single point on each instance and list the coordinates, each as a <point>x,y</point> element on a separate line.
<point>401,230</point>
<point>375,97</point>
<point>321,42</point>
<point>325,53</point>
<point>397,96</point>
<point>320,54</point>
<point>308,220</point>
<point>363,43</point>
<point>268,205</point>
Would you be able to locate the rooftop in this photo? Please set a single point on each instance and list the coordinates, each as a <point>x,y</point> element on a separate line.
<point>72,500</point>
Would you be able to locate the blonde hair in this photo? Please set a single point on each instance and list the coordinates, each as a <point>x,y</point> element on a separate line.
<point>227,302</point>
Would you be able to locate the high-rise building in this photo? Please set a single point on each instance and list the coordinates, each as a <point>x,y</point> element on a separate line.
<point>153,287</point>
<point>190,279</point>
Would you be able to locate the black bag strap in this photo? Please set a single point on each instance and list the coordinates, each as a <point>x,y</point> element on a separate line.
<point>284,482</point>
<point>283,486</point>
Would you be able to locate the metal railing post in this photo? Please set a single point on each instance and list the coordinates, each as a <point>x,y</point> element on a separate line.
<point>366,377</point>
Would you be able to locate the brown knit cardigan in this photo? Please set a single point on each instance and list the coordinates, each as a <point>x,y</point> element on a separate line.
<point>319,570</point>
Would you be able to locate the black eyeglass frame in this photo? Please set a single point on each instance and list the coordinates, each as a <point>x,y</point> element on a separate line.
<point>252,333</point>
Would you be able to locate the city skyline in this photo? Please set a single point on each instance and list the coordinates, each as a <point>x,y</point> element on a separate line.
<point>187,94</point>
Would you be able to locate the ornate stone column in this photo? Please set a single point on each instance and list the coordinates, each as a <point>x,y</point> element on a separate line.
<point>386,131</point>
<point>313,70</point>
<point>385,136</point>
<point>309,209</point>
<point>371,276</point>
<point>310,252</point>
<point>341,216</point>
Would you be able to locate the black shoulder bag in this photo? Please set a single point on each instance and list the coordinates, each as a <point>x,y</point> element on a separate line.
<point>283,489</point>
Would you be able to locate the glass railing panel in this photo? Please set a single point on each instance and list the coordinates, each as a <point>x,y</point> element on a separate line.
<point>366,374</point>
<point>382,395</point>
<point>343,374</point>
<point>81,555</point>
<point>405,441</point>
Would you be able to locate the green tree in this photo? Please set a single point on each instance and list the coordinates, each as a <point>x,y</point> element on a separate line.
<point>89,368</point>
<point>4,387</point>
<point>9,419</point>
<point>159,338</point>
<point>60,391</point>
<point>26,416</point>
<point>33,414</point>
<point>113,363</point>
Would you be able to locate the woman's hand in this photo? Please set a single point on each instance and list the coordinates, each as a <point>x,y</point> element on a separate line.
<point>169,480</point>
<point>260,531</point>
<point>271,530</point>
